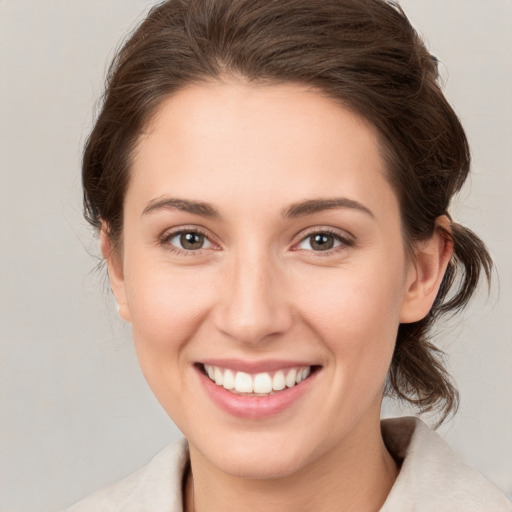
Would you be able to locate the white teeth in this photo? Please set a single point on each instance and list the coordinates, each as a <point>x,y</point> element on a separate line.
<point>278,382</point>
<point>243,383</point>
<point>290,378</point>
<point>229,380</point>
<point>218,376</point>
<point>302,374</point>
<point>262,383</point>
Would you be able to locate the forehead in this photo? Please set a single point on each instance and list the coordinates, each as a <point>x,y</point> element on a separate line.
<point>272,144</point>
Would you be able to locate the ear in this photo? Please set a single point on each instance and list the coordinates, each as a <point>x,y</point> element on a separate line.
<point>115,272</point>
<point>426,272</point>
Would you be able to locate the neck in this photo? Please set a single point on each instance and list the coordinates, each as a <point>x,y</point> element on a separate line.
<point>355,476</point>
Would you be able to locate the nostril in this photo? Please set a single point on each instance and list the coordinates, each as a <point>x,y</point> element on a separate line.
<point>253,323</point>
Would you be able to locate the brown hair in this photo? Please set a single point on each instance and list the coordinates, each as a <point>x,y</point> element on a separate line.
<point>362,53</point>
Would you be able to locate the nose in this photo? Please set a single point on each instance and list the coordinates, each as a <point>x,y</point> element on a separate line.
<point>253,306</point>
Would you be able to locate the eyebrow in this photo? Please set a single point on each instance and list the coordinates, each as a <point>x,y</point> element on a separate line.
<point>185,205</point>
<point>299,209</point>
<point>311,206</point>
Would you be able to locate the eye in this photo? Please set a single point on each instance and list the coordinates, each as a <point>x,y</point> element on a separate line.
<point>189,240</point>
<point>322,241</point>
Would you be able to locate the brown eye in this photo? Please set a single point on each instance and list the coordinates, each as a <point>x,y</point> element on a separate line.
<point>321,242</point>
<point>188,241</point>
<point>191,241</point>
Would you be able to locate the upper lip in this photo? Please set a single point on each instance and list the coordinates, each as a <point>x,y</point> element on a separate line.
<point>253,367</point>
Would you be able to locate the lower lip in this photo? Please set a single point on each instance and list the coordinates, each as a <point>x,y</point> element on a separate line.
<point>254,407</point>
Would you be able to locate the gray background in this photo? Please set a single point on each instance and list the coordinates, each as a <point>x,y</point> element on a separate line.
<point>75,410</point>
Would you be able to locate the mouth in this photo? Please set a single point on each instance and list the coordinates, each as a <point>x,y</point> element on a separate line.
<point>259,384</point>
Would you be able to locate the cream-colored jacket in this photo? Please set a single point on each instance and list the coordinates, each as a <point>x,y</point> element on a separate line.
<point>432,479</point>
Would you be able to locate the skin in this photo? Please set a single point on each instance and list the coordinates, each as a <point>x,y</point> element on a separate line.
<point>259,290</point>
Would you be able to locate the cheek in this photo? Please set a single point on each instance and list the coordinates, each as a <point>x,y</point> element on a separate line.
<point>167,307</point>
<point>355,310</point>
<point>166,304</point>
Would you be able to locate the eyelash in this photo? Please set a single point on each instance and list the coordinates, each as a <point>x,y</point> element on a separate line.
<point>168,236</point>
<point>344,241</point>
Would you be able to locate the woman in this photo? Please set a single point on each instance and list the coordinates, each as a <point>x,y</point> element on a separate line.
<point>271,182</point>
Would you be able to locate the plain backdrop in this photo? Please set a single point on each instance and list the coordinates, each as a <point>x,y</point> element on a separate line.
<point>75,412</point>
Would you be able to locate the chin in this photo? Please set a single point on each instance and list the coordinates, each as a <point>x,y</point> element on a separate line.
<point>257,455</point>
<point>259,466</point>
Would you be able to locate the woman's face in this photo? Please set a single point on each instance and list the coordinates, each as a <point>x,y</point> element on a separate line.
<point>262,242</point>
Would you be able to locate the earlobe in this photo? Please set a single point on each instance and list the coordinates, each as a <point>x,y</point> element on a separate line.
<point>426,272</point>
<point>115,273</point>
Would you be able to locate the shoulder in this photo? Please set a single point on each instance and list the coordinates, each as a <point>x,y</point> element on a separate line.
<point>156,486</point>
<point>432,477</point>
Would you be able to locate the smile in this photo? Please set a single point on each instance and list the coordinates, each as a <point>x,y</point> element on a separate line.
<point>259,384</point>
<point>256,390</point>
